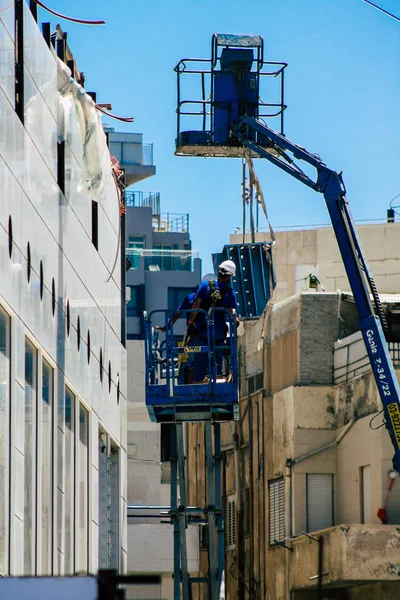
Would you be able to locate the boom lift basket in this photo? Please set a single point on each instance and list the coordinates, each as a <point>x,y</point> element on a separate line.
<point>172,393</point>
<point>230,85</point>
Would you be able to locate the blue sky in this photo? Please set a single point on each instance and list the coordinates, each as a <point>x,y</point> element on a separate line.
<point>342,91</point>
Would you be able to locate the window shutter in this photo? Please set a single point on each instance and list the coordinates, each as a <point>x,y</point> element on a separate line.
<point>319,501</point>
<point>276,511</point>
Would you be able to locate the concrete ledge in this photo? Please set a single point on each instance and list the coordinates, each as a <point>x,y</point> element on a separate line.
<point>352,554</point>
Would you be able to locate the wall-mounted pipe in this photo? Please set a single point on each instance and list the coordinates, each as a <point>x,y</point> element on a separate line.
<point>290,462</point>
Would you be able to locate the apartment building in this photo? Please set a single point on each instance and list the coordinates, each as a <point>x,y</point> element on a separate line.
<point>62,354</point>
<point>163,269</point>
<point>311,464</point>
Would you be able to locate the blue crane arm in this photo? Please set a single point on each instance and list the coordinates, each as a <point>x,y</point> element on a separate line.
<point>283,153</point>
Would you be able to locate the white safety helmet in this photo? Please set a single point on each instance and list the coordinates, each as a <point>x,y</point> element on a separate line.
<point>227,267</point>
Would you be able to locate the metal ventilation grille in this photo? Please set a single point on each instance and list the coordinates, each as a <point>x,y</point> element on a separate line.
<point>276,511</point>
<point>231,523</point>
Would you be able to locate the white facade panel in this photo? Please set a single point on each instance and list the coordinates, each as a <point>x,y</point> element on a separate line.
<point>51,277</point>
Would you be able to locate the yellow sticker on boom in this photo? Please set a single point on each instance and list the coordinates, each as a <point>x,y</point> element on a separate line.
<point>394,414</point>
<point>193,349</point>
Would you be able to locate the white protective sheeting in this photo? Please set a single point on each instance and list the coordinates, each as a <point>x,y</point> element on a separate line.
<point>96,162</point>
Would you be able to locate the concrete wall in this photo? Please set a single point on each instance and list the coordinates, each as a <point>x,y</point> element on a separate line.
<point>64,295</point>
<point>292,342</point>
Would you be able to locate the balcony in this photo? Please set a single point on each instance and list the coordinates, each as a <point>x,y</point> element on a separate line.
<point>134,156</point>
<point>352,555</point>
<point>162,260</point>
<point>350,358</point>
<point>162,222</point>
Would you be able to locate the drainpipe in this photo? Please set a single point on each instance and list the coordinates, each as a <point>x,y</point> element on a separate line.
<point>288,521</point>
<point>293,461</point>
<point>236,457</point>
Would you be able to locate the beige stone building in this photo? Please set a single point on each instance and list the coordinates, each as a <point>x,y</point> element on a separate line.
<point>297,254</point>
<point>312,463</point>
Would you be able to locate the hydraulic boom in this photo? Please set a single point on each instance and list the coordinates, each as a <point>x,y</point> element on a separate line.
<point>282,152</point>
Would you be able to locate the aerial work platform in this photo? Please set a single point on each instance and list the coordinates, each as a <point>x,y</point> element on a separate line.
<point>230,84</point>
<point>172,392</point>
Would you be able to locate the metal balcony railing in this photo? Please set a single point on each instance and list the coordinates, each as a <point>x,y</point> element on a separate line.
<point>134,199</point>
<point>148,155</point>
<point>171,222</point>
<point>351,358</point>
<point>162,260</point>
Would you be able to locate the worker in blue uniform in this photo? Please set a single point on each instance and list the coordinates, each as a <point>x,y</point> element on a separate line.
<point>186,304</point>
<point>214,293</point>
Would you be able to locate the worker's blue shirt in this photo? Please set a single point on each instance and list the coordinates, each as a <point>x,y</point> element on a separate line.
<point>228,300</point>
<point>187,304</point>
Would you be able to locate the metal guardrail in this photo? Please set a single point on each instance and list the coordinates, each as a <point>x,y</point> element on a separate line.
<point>351,369</point>
<point>168,222</point>
<point>171,222</point>
<point>134,199</point>
<point>148,155</point>
<point>162,260</point>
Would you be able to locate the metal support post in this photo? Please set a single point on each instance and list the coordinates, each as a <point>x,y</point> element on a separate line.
<point>174,515</point>
<point>218,503</point>
<point>212,554</point>
<point>182,510</point>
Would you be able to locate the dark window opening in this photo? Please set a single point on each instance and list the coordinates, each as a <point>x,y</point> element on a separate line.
<point>393,320</point>
<point>88,346</point>
<point>41,280</point>
<point>101,364</point>
<point>68,318</point>
<point>95,224</point>
<point>165,441</point>
<point>109,376</point>
<point>28,262</point>
<point>78,333</point>
<point>255,383</point>
<point>10,236</point>
<point>53,297</point>
<point>135,304</point>
<point>204,537</point>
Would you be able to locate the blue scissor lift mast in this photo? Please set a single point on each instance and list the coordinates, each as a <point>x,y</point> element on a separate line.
<point>172,398</point>
<point>230,122</point>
